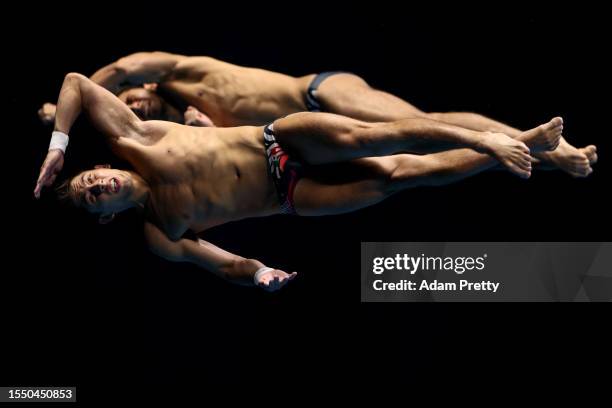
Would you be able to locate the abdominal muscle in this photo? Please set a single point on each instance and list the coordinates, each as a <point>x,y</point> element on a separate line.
<point>206,177</point>
<point>240,96</point>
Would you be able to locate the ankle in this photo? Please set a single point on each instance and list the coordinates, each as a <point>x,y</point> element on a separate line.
<point>483,142</point>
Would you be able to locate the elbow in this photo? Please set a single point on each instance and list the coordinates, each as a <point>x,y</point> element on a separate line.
<point>238,270</point>
<point>231,270</point>
<point>74,81</point>
<point>74,77</point>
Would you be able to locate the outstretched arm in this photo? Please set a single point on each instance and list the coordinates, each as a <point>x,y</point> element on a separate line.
<point>111,116</point>
<point>234,268</point>
<point>134,69</point>
<point>137,69</point>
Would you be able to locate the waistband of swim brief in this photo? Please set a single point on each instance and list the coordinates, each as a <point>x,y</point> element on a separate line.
<point>312,103</point>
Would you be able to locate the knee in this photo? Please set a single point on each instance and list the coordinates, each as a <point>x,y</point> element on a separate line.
<point>437,116</point>
<point>409,171</point>
<point>390,174</point>
<point>352,134</point>
<point>293,120</point>
<point>365,136</point>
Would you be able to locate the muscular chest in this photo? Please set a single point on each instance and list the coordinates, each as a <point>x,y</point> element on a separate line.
<point>172,207</point>
<point>196,205</point>
<point>196,189</point>
<point>233,98</point>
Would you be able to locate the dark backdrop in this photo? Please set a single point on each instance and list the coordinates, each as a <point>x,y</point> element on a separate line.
<point>88,305</point>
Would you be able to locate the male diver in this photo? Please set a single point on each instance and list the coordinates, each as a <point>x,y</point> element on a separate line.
<point>193,178</point>
<point>160,85</point>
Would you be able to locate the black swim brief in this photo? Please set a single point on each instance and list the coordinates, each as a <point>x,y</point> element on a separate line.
<point>312,103</point>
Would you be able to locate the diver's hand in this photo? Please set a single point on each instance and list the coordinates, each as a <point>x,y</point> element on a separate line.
<point>49,170</point>
<point>274,279</point>
<point>194,117</point>
<point>47,113</point>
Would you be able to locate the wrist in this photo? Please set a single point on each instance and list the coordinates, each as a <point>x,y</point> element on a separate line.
<point>259,272</point>
<point>59,141</point>
<point>482,144</point>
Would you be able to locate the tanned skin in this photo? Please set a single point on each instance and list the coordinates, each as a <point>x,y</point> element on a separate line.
<point>191,178</point>
<point>225,94</point>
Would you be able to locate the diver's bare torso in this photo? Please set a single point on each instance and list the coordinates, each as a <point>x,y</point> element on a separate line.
<point>202,177</point>
<point>234,96</point>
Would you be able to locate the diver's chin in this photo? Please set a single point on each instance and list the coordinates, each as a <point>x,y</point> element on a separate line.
<point>126,181</point>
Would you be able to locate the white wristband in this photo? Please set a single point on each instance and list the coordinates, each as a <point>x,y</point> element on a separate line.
<point>59,140</point>
<point>260,272</point>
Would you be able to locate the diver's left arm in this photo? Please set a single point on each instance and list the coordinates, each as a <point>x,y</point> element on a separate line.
<point>132,70</point>
<point>231,267</point>
<point>137,69</point>
<point>112,117</point>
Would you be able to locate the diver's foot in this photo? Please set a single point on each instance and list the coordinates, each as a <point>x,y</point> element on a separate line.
<point>512,154</point>
<point>577,162</point>
<point>545,137</point>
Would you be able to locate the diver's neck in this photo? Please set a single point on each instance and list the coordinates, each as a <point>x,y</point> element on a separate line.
<point>140,191</point>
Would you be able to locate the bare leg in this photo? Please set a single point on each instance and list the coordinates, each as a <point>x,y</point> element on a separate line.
<point>475,121</point>
<point>372,179</point>
<point>349,95</point>
<point>319,138</point>
<point>575,161</point>
<point>381,177</point>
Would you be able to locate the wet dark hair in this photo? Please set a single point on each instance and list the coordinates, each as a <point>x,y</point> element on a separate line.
<point>128,87</point>
<point>62,192</point>
<point>164,104</point>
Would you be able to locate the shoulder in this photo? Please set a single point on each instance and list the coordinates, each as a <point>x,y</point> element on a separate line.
<point>164,243</point>
<point>157,128</point>
<point>162,223</point>
<point>148,132</point>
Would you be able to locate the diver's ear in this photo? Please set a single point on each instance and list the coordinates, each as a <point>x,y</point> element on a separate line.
<point>106,218</point>
<point>150,87</point>
<point>102,166</point>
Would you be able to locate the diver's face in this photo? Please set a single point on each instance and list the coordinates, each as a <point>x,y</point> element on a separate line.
<point>102,191</point>
<point>145,103</point>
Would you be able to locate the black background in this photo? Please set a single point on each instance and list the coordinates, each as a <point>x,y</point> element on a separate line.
<point>87,305</point>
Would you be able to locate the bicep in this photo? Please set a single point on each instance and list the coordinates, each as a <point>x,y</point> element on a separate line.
<point>143,67</point>
<point>107,112</point>
<point>200,252</point>
<point>159,243</point>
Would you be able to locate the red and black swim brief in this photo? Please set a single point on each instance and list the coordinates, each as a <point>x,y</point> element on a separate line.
<point>285,173</point>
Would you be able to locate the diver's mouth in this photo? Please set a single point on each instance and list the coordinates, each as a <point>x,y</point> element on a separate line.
<point>115,185</point>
